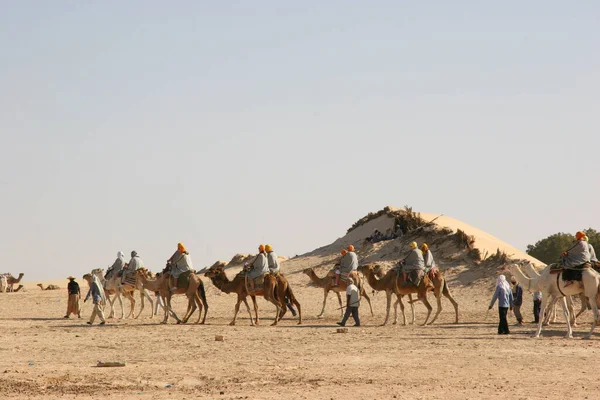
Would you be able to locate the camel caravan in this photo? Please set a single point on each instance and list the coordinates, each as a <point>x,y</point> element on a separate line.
<point>399,264</point>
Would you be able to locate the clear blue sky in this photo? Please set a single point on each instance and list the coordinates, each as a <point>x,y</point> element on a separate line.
<point>135,125</point>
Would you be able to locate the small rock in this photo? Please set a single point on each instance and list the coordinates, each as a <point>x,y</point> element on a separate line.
<point>219,338</point>
<point>221,392</point>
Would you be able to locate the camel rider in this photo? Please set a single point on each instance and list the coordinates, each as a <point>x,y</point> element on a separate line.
<point>593,258</point>
<point>274,268</point>
<point>348,263</point>
<point>272,260</point>
<point>427,257</point>
<point>413,266</point>
<point>179,263</point>
<point>259,266</point>
<point>117,267</point>
<point>578,254</point>
<point>134,264</point>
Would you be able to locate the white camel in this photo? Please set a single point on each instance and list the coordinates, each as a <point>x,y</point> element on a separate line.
<point>114,285</point>
<point>550,312</point>
<point>113,292</point>
<point>553,285</point>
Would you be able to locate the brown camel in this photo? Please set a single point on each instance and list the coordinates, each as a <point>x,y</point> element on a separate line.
<point>49,287</point>
<point>391,283</point>
<point>217,275</point>
<point>284,291</point>
<point>327,284</point>
<point>194,292</point>
<point>11,280</point>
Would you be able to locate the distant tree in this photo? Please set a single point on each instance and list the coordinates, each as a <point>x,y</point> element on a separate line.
<point>548,250</point>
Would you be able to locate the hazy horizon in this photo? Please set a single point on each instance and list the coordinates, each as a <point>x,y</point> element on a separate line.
<point>224,125</point>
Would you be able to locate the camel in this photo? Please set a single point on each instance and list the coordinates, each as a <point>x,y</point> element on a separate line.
<point>11,280</point>
<point>49,287</point>
<point>553,285</point>
<point>327,284</point>
<point>195,293</point>
<point>389,283</point>
<point>550,312</point>
<point>3,283</point>
<point>128,289</point>
<point>219,278</point>
<point>112,290</point>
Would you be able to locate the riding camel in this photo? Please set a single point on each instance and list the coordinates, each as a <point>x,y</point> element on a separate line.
<point>11,281</point>
<point>391,281</point>
<point>49,287</point>
<point>385,283</point>
<point>219,278</point>
<point>553,285</point>
<point>328,285</point>
<point>129,288</point>
<point>550,312</point>
<point>194,292</point>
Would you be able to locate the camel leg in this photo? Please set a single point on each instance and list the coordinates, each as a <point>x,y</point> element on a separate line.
<point>255,308</point>
<point>401,303</point>
<point>437,292</point>
<point>237,308</point>
<point>423,298</point>
<point>543,305</point>
<point>447,294</point>
<point>144,293</point>
<point>339,296</point>
<point>595,315</point>
<point>325,292</point>
<point>173,313</point>
<point>572,316</point>
<point>249,312</point>
<point>366,296</point>
<point>412,309</point>
<point>388,300</point>
<point>199,306</point>
<point>565,308</point>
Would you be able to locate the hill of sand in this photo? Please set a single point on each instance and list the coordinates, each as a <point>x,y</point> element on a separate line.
<point>44,356</point>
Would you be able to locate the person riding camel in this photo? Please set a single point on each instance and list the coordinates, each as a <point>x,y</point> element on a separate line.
<point>179,263</point>
<point>413,266</point>
<point>348,264</point>
<point>578,254</point>
<point>272,260</point>
<point>593,258</point>
<point>428,258</point>
<point>259,267</point>
<point>576,257</point>
<point>134,264</point>
<point>117,267</point>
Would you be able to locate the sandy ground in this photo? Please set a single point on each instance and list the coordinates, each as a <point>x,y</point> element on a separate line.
<point>45,356</point>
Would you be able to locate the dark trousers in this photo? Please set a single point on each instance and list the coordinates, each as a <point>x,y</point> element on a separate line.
<point>536,310</point>
<point>503,325</point>
<point>354,312</point>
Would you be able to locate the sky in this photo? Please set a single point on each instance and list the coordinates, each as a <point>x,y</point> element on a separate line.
<point>226,124</point>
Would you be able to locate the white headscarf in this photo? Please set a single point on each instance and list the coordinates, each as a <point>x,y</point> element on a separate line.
<point>503,283</point>
<point>96,280</point>
<point>121,255</point>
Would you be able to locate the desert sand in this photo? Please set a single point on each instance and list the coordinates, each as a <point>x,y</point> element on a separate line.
<point>45,356</point>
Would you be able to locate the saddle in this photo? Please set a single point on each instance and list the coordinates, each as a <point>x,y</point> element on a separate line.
<point>570,273</point>
<point>259,283</point>
<point>183,280</point>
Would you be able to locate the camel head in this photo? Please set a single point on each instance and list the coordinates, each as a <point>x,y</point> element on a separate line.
<point>98,272</point>
<point>21,275</point>
<point>215,270</point>
<point>143,273</point>
<point>307,271</point>
<point>40,285</point>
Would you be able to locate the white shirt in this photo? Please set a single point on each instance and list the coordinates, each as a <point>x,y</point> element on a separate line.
<point>352,291</point>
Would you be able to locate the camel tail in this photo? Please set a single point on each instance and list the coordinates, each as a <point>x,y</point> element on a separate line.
<point>202,293</point>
